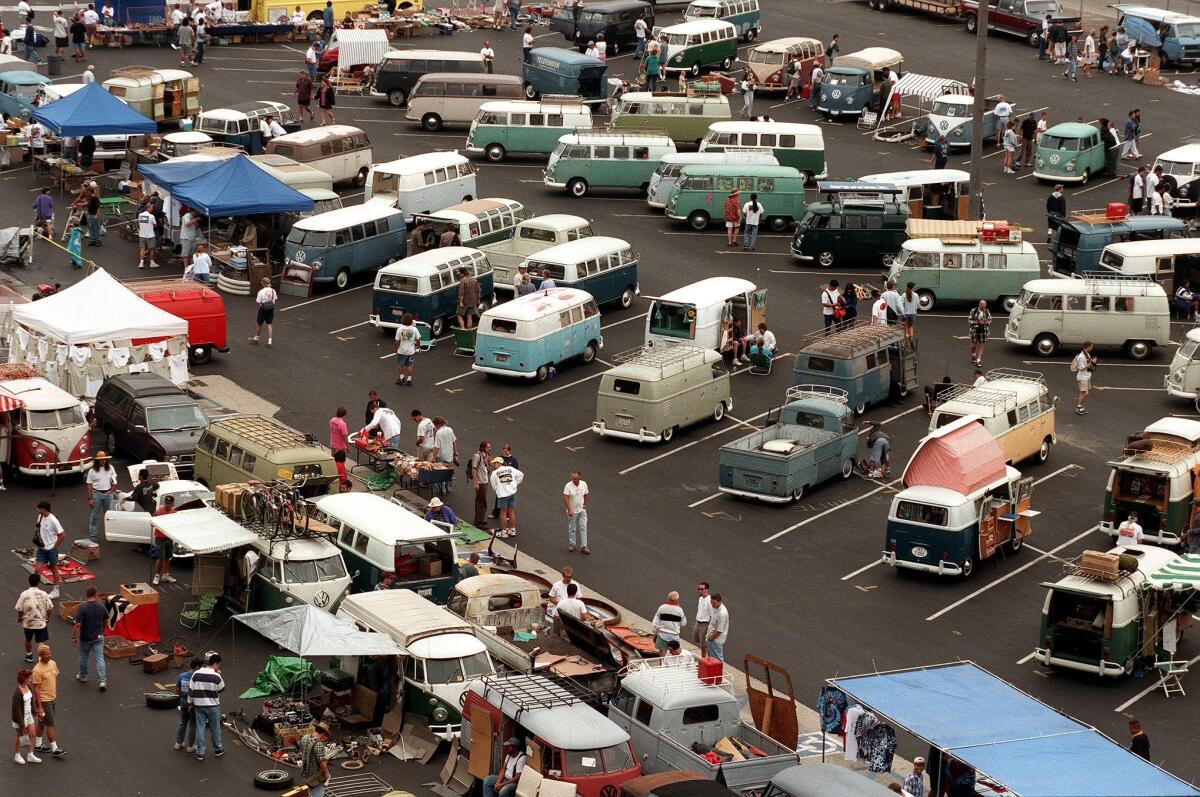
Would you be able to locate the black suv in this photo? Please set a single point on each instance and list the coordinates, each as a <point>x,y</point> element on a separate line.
<point>151,418</point>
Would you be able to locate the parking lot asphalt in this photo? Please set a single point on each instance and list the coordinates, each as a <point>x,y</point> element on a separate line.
<point>802,581</point>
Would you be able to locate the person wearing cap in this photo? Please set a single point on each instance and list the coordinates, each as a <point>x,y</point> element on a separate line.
<point>1129,532</point>
<point>519,277</point>
<point>100,483</point>
<point>441,513</point>
<point>504,782</point>
<point>314,761</point>
<point>733,217</point>
<point>914,782</point>
<point>505,479</point>
<point>676,656</point>
<point>163,546</point>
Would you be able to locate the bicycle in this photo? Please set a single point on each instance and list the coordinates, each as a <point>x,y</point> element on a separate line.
<point>277,507</point>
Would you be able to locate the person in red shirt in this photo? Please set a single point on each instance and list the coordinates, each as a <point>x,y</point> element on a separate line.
<point>163,546</point>
<point>733,217</point>
<point>339,433</point>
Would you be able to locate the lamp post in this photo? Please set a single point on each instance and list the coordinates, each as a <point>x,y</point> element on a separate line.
<point>976,171</point>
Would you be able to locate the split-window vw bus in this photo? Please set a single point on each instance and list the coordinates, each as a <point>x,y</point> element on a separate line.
<point>604,267</point>
<point>452,98</point>
<point>684,117</point>
<point>345,242</point>
<point>503,128</point>
<point>421,183</point>
<point>401,69</point>
<point>1156,479</point>
<point>341,151</point>
<point>478,222</point>
<point>603,159</point>
<point>769,63</point>
<point>669,169</point>
<point>797,145</point>
<point>426,285</point>
<point>742,14</point>
<point>42,428</point>
<point>1081,238</point>
<point>702,314</point>
<point>851,84</point>
<point>164,95</point>
<point>1014,406</point>
<point>533,334</point>
<point>931,193</point>
<point>700,193</point>
<point>699,45</point>
<point>1069,153</point>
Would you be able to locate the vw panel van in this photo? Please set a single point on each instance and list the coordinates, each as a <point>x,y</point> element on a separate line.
<point>702,314</point>
<point>342,243</point>
<point>164,95</point>
<point>502,128</point>
<point>443,98</point>
<point>742,14</point>
<point>769,62</point>
<point>1155,476</point>
<point>931,193</point>
<point>859,223</point>
<point>421,183</point>
<point>603,159</point>
<point>21,92</point>
<point>851,84</point>
<point>553,70</point>
<point>533,334</point>
<point>305,570</point>
<point>870,362</point>
<point>1069,153</point>
<point>700,45</point>
<point>1081,237</point>
<point>1014,406</point>
<point>669,169</point>
<point>238,448</point>
<point>700,192</point>
<point>797,145</point>
<point>426,285</point>
<point>401,69</point>
<point>341,151</point>
<point>478,222</point>
<point>606,268</point>
<point>612,19</point>
<point>1168,262</point>
<point>683,117</point>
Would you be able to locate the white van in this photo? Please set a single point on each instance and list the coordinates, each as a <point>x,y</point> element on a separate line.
<point>702,313</point>
<point>800,146</point>
<point>1130,313</point>
<point>453,98</point>
<point>1167,262</point>
<point>1181,171</point>
<point>1014,406</point>
<point>931,193</point>
<point>297,175</point>
<point>671,166</point>
<point>341,151</point>
<point>525,126</point>
<point>422,183</point>
<point>480,221</point>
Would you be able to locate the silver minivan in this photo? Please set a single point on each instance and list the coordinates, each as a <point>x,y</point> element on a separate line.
<point>452,98</point>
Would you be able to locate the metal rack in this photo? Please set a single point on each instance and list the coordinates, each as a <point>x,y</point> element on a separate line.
<point>857,335</point>
<point>533,692</point>
<point>267,431</point>
<point>1015,375</point>
<point>1143,281</point>
<point>992,398</point>
<point>1167,452</point>
<point>666,678</point>
<point>799,392</point>
<point>619,137</point>
<point>661,358</point>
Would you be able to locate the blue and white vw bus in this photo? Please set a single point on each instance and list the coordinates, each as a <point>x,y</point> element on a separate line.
<point>347,241</point>
<point>426,285</point>
<point>604,267</point>
<point>533,334</point>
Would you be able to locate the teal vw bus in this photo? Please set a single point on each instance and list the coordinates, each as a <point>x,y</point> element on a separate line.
<point>871,362</point>
<point>700,45</point>
<point>504,128</point>
<point>797,145</point>
<point>604,267</point>
<point>531,335</point>
<point>18,90</point>
<point>744,15</point>
<point>348,241</point>
<point>426,285</point>
<point>683,117</point>
<point>554,70</point>
<point>603,159</point>
<point>669,169</point>
<point>851,84</point>
<point>1069,153</point>
<point>700,192</point>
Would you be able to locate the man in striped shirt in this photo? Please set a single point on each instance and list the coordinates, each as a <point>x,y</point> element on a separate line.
<point>204,693</point>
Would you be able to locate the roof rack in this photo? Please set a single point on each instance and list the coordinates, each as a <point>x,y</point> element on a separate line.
<point>980,396</point>
<point>561,99</point>
<point>964,231</point>
<point>1015,375</point>
<point>1099,278</point>
<point>1089,566</point>
<point>622,135</point>
<point>532,692</point>
<point>665,678</point>
<point>135,71</point>
<point>267,431</point>
<point>661,358</point>
<point>855,335</point>
<point>1167,452</point>
<point>1097,216</point>
<point>800,392</point>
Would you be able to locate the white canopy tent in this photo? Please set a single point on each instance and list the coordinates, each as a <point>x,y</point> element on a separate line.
<point>204,530</point>
<point>308,631</point>
<point>356,46</point>
<point>924,89</point>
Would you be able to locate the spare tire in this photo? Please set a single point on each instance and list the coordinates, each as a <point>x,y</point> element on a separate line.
<point>1127,563</point>
<point>162,700</point>
<point>273,779</point>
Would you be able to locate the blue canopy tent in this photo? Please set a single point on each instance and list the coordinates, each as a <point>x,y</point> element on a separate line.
<point>169,174</point>
<point>236,187</point>
<point>93,111</point>
<point>1007,735</point>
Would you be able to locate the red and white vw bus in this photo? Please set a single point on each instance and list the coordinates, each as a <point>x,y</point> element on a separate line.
<point>43,430</point>
<point>767,65</point>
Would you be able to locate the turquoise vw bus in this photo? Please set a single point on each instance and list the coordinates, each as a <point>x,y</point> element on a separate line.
<point>669,169</point>
<point>700,45</point>
<point>604,267</point>
<point>699,194</point>
<point>18,90</point>
<point>347,241</point>
<point>1069,153</point>
<point>797,145</point>
<point>504,128</point>
<point>531,335</point>
<point>872,363</point>
<point>604,159</point>
<point>477,222</point>
<point>851,84</point>
<point>426,285</point>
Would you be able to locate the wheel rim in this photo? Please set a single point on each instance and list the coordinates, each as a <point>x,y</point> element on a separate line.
<point>1139,351</point>
<point>627,297</point>
<point>699,221</point>
<point>530,93</point>
<point>860,409</point>
<point>396,98</point>
<point>797,494</point>
<point>1045,346</point>
<point>1044,451</point>
<point>968,567</point>
<point>542,373</point>
<point>436,327</point>
<point>273,776</point>
<point>495,153</point>
<point>825,259</point>
<point>432,122</point>
<point>578,188</point>
<point>589,353</point>
<point>925,301</point>
<point>1009,303</point>
<point>668,434</point>
<point>847,468</point>
<point>342,279</point>
<point>779,223</point>
<point>719,411</point>
<point>1083,180</point>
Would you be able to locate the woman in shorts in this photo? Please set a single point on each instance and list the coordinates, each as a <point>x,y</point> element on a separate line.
<point>266,299</point>
<point>163,546</point>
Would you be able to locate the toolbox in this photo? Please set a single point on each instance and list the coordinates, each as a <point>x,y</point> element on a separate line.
<point>337,680</point>
<point>155,662</point>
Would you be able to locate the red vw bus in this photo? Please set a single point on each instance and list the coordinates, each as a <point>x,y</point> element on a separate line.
<point>767,66</point>
<point>42,427</point>
<point>195,302</point>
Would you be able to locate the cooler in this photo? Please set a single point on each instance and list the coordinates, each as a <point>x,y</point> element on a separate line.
<point>710,670</point>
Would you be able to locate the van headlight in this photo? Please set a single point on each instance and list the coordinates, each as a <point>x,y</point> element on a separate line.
<point>1038,161</point>
<point>958,133</point>
<point>39,453</point>
<point>1071,166</point>
<point>677,59</point>
<point>318,263</point>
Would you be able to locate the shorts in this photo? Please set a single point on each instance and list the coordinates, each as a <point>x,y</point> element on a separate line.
<point>148,243</point>
<point>265,316</point>
<point>188,246</point>
<point>405,360</point>
<point>37,634</point>
<point>48,711</point>
<point>77,47</point>
<point>979,334</point>
<point>303,103</point>
<point>163,549</point>
<point>732,225</point>
<point>508,502</point>
<point>1085,384</point>
<point>471,310</point>
<point>60,42</point>
<point>47,556</point>
<point>910,318</point>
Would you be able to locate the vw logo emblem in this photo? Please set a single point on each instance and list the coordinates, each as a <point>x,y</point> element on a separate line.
<point>943,125</point>
<point>299,256</point>
<point>321,599</point>
<point>608,791</point>
<point>837,94</point>
<point>1054,159</point>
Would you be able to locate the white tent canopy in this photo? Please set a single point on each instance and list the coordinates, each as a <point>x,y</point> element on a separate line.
<point>927,87</point>
<point>308,631</point>
<point>94,310</point>
<point>356,46</point>
<point>204,530</point>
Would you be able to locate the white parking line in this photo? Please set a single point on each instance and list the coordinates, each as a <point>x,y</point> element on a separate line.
<point>453,378</point>
<point>862,569</point>
<point>831,510</point>
<point>1097,185</point>
<point>574,434</point>
<point>686,446</point>
<point>695,504</point>
<point>1146,389</point>
<point>327,296</point>
<point>1106,365</point>
<point>1156,685</point>
<point>622,321</point>
<point>352,326</point>
<point>822,271</point>
<point>548,393</point>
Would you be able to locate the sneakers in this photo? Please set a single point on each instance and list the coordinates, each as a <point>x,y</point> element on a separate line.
<point>31,758</point>
<point>219,753</point>
<point>18,758</point>
<point>29,657</point>
<point>54,593</point>
<point>571,547</point>
<point>1081,411</point>
<point>103,685</point>
<point>191,748</point>
<point>154,580</point>
<point>253,339</point>
<point>178,746</point>
<point>81,678</point>
<point>270,342</point>
<point>168,579</point>
<point>585,549</point>
<point>58,752</point>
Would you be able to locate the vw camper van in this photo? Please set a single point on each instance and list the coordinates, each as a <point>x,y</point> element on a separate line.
<point>1181,173</point>
<point>857,223</point>
<point>452,98</point>
<point>531,335</point>
<point>426,285</point>
<point>768,63</point>
<point>603,159</point>
<point>554,70</point>
<point>683,117</point>
<point>669,169</point>
<point>700,192</point>
<point>699,45</point>
<point>1183,376</point>
<point>164,95</point>
<point>953,116</point>
<point>701,314</point>
<point>345,242</point>
<point>1166,262</point>
<point>401,69</point>
<point>653,392</point>
<point>43,431</point>
<point>1069,153</point>
<point>503,128</point>
<point>478,222</point>
<point>341,151</point>
<point>1132,314</point>
<point>612,19</point>
<point>606,268</point>
<point>421,183</point>
<point>238,124</point>
<point>871,363</point>
<point>1179,33</point>
<point>931,193</point>
<point>1014,406</point>
<point>851,84</point>
<point>742,14</point>
<point>1156,477</point>
<point>1081,237</point>
<point>797,145</point>
<point>239,448</point>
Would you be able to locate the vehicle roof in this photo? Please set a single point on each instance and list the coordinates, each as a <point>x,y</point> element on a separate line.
<point>23,77</point>
<point>476,207</point>
<point>697,26</point>
<point>938,245</point>
<point>459,77</point>
<point>314,134</point>
<point>615,5</point>
<point>874,57</point>
<point>147,384</point>
<point>740,170</point>
<point>538,304</point>
<point>302,549</point>
<point>386,521</point>
<point>641,96</point>
<point>150,77</point>
<point>1188,152</point>
<point>955,99</point>
<point>1183,428</point>
<point>979,401</point>
<point>534,106</point>
<point>1077,287</point>
<point>283,163</point>
<point>1151,558</point>
<point>1072,129</point>
<point>355,214</point>
<point>570,723</point>
<point>737,156</point>
<point>565,56</point>
<point>650,139</point>
<point>579,249</point>
<point>937,496</point>
<point>416,164</point>
<point>425,263</point>
<point>172,486</point>
<point>810,779</point>
<point>190,137</point>
<point>854,341</point>
<point>39,394</point>
<point>918,177</point>
<point>708,289</point>
<point>238,110</point>
<point>675,687</point>
<point>734,126</point>
<point>451,55</point>
<point>270,434</point>
<point>1158,14</point>
<point>782,45</point>
<point>1165,246</point>
<point>495,584</point>
<point>661,362</point>
<point>555,221</point>
<point>447,646</point>
<point>404,612</point>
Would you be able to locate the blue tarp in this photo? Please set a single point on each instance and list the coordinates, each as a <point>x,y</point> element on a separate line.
<point>169,174</point>
<point>93,111</point>
<point>1007,735</point>
<point>239,188</point>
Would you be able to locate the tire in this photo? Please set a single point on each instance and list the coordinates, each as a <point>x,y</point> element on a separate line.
<point>274,780</point>
<point>847,469</point>
<point>719,411</point>
<point>968,567</point>
<point>888,261</point>
<point>342,279</point>
<point>778,223</point>
<point>1138,350</point>
<point>668,433</point>
<point>1033,38</point>
<point>397,98</point>
<point>495,153</point>
<point>695,70</point>
<point>825,259</point>
<point>1008,303</point>
<point>725,64</point>
<point>627,297</point>
<point>751,35</point>
<point>530,92</point>
<point>360,179</point>
<point>437,326</point>
<point>162,700</point>
<point>110,441</point>
<point>860,409</point>
<point>578,187</point>
<point>1083,178</point>
<point>431,122</point>
<point>972,23</point>
<point>589,353</point>
<point>797,494</point>
<point>1043,453</point>
<point>199,355</point>
<point>1046,345</point>
<point>541,374</point>
<point>698,220</point>
<point>925,300</point>
<point>807,177</point>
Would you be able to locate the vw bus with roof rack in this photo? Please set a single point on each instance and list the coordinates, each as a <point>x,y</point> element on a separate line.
<point>931,193</point>
<point>1014,406</point>
<point>1080,238</point>
<point>870,362</point>
<point>1156,477</point>
<point>854,223</point>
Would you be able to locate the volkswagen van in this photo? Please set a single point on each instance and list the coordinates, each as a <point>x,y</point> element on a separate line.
<point>426,285</point>
<point>164,95</point>
<point>744,15</point>
<point>1014,406</point>
<point>349,241</point>
<point>1132,314</point>
<point>952,116</point>
<point>606,268</point>
<point>182,142</point>
<point>931,193</point>
<point>1181,174</point>
<point>870,362</point>
<point>452,98</point>
<point>1183,375</point>
<point>297,175</point>
<point>1081,238</point>
<point>683,117</point>
<point>612,19</point>
<point>603,159</point>
<point>239,448</point>
<point>530,237</point>
<point>478,222</point>
<point>959,505</point>
<point>797,145</point>
<point>700,45</point>
<point>380,536</point>
<point>401,69</point>
<point>702,313</point>
<point>19,91</point>
<point>43,431</point>
<point>965,261</point>
<point>669,169</point>
<point>820,780</point>
<point>1179,33</point>
<point>341,151</point>
<point>1166,262</point>
<point>857,223</point>
<point>129,522</point>
<point>1069,153</point>
<point>768,63</point>
<point>700,192</point>
<point>421,183</point>
<point>1155,477</point>
<point>533,334</point>
<point>851,84</point>
<point>238,124</point>
<point>565,738</point>
<point>654,392</point>
<point>554,70</point>
<point>502,128</point>
<point>441,658</point>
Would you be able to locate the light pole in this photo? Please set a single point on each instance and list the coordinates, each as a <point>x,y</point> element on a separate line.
<point>981,23</point>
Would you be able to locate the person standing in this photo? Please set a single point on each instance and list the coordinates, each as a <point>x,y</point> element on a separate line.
<point>505,479</point>
<point>489,57</point>
<point>669,619</point>
<point>1130,532</point>
<point>50,534</point>
<point>914,782</point>
<point>1090,54</point>
<point>941,153</point>
<point>1012,158</point>
<point>469,297</point>
<point>327,20</point>
<point>445,447</point>
<point>560,591</point>
<point>339,432</point>
<point>29,38</point>
<point>88,636</point>
<point>101,481</point>
<point>576,500</point>
<point>1139,742</point>
<point>374,402</point>
<point>833,49</point>
<point>651,65</point>
<point>526,43</point>
<point>311,57</point>
<point>639,32</point>
<point>514,13</point>
<point>1056,211</point>
<point>326,102</point>
<point>752,211</point>
<point>201,42</point>
<point>1137,191</point>
<point>204,695</point>
<point>265,300</point>
<point>703,614</point>
<point>304,92</point>
<point>43,213</point>
<point>829,304</point>
<point>1028,133</point>
<point>978,322</point>
<point>1082,366</point>
<point>908,310</point>
<point>185,733</point>
<point>187,39</point>
<point>747,88</point>
<point>147,239</point>
<point>408,338</point>
<point>497,14</point>
<point>1001,113</point>
<point>718,628</point>
<point>25,713</point>
<point>60,33</point>
<point>164,548</point>
<point>1044,38</point>
<point>425,434</point>
<point>33,612</point>
<point>480,469</point>
<point>314,760</point>
<point>506,456</point>
<point>189,234</point>
<point>733,217</point>
<point>44,680</point>
<point>1129,149</point>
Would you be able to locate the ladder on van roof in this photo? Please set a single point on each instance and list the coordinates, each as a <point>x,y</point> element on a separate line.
<point>1095,281</point>
<point>619,136</point>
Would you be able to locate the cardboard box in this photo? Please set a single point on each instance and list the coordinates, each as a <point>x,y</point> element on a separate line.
<point>117,647</point>
<point>1100,565</point>
<point>287,735</point>
<point>139,593</point>
<point>84,551</point>
<point>430,566</point>
<point>67,609</point>
<point>365,700</point>
<point>155,662</point>
<point>298,791</point>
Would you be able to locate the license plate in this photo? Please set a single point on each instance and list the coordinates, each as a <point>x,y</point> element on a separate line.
<point>624,421</point>
<point>919,552</point>
<point>397,311</point>
<point>501,358</point>
<point>426,593</point>
<point>752,481</point>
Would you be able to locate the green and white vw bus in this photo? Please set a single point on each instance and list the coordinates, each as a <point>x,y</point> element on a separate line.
<point>701,44</point>
<point>603,159</point>
<point>1069,153</point>
<point>683,117</point>
<point>524,126</point>
<point>700,193</point>
<point>799,146</point>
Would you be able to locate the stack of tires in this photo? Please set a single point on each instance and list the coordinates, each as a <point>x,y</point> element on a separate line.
<point>236,278</point>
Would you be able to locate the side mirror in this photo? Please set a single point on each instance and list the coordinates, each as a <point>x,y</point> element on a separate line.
<point>356,574</point>
<point>139,429</point>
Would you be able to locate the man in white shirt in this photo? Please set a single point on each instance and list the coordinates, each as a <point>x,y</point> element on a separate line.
<point>639,30</point>
<point>388,424</point>
<point>829,301</point>
<point>980,379</point>
<point>1129,532</point>
<point>558,592</point>
<point>1001,113</point>
<point>668,621</point>
<point>101,483</point>
<point>676,656</point>
<point>310,60</point>
<point>201,267</point>
<point>1082,365</point>
<point>177,18</point>
<point>33,611</point>
<point>572,605</point>
<point>526,44</point>
<point>51,534</point>
<point>505,479</point>
<point>879,308</point>
<point>504,783</point>
<point>147,239</point>
<point>489,57</point>
<point>24,9</point>
<point>703,614</point>
<point>768,338</point>
<point>425,434</point>
<point>408,338</point>
<point>718,628</point>
<point>892,297</point>
<point>90,20</point>
<point>445,448</point>
<point>575,500</point>
<point>89,76</point>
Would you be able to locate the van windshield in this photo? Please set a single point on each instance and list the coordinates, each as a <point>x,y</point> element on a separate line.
<point>537,234</point>
<point>697,183</point>
<point>951,109</point>
<point>314,570</point>
<point>1176,168</point>
<point>835,79</point>
<point>455,671</point>
<point>581,763</point>
<point>593,17</point>
<point>701,12</point>
<point>767,59</point>
<point>53,419</point>
<point>1187,30</point>
<point>673,320</point>
<point>1188,348</point>
<point>314,238</point>
<point>1063,143</point>
<point>174,419</point>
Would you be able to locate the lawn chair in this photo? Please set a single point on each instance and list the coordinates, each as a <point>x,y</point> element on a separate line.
<point>426,333</point>
<point>760,364</point>
<point>464,341</point>
<point>194,613</point>
<point>1170,672</point>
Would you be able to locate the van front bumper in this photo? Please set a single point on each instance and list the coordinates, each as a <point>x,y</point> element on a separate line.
<point>770,499</point>
<point>941,568</point>
<point>1011,338</point>
<point>474,150</point>
<point>803,258</point>
<point>1173,389</point>
<point>1058,178</point>
<point>656,205</point>
<point>547,179</point>
<point>487,369</point>
<point>640,436</point>
<point>1103,668</point>
<point>674,217</point>
<point>1164,538</point>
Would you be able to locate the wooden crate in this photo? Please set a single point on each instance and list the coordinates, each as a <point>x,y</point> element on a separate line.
<point>139,593</point>
<point>117,647</point>
<point>1100,565</point>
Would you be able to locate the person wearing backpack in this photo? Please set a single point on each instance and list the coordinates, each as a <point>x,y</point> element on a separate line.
<point>30,39</point>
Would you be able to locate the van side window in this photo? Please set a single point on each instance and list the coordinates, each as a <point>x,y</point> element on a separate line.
<point>1076,302</point>
<point>576,315</point>
<point>554,120</point>
<point>952,261</point>
<point>1012,418</point>
<point>620,153</point>
<point>718,369</point>
<point>766,184</point>
<point>489,90</point>
<point>645,710</point>
<point>341,237</point>
<point>206,442</point>
<point>360,542</point>
<point>722,183</point>
<point>356,232</point>
<point>787,141</point>
<point>222,451</point>
<point>537,119</point>
<point>369,229</point>
<point>749,139</point>
<point>590,309</point>
<point>767,140</point>
<point>520,119</point>
<point>602,152</point>
<point>820,364</point>
<point>1123,304</point>
<point>883,356</point>
<point>564,319</point>
<point>629,387</point>
<point>347,536</point>
<point>873,222</point>
<point>997,261</point>
<point>235,457</point>
<point>870,361</point>
<point>1100,304</point>
<point>695,109</point>
<point>745,183</point>
<point>973,260</point>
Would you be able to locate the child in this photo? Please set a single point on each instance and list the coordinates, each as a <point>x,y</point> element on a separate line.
<point>75,243</point>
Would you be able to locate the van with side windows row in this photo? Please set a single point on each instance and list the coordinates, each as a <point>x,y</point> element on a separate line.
<point>528,239</point>
<point>699,45</point>
<point>421,183</point>
<point>615,20</point>
<point>684,117</point>
<point>1081,237</point>
<point>341,151</point>
<point>426,285</point>
<point>525,127</point>
<point>670,168</point>
<point>451,98</point>
<point>931,193</point>
<point>605,159</point>
<point>1169,262</point>
<point>856,223</point>
<point>700,193</point>
<point>606,268</point>
<point>478,222</point>
<point>341,243</point>
<point>768,65</point>
<point>744,15</point>
<point>1014,406</point>
<point>401,69</point>
<point>239,448</point>
<point>800,146</point>
<point>533,334</point>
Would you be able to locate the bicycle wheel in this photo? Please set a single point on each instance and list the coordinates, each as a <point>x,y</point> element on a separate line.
<point>254,508</point>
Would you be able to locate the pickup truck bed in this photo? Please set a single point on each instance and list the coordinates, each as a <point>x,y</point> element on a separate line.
<point>504,257</point>
<point>522,656</point>
<point>805,436</point>
<point>740,776</point>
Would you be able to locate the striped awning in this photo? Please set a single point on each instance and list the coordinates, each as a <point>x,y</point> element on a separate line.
<point>10,403</point>
<point>927,87</point>
<point>356,46</point>
<point>1182,573</point>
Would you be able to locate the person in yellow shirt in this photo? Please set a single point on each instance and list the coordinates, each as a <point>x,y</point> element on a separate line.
<point>45,682</point>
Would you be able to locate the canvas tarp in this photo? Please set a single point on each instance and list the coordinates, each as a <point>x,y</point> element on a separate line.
<point>282,675</point>
<point>168,174</point>
<point>963,457</point>
<point>356,46</point>
<point>205,530</point>
<point>236,187</point>
<point>93,111</point>
<point>308,631</point>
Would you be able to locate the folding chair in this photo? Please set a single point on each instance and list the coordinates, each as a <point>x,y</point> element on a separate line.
<point>194,613</point>
<point>464,341</point>
<point>1170,672</point>
<point>760,364</point>
<point>426,333</point>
